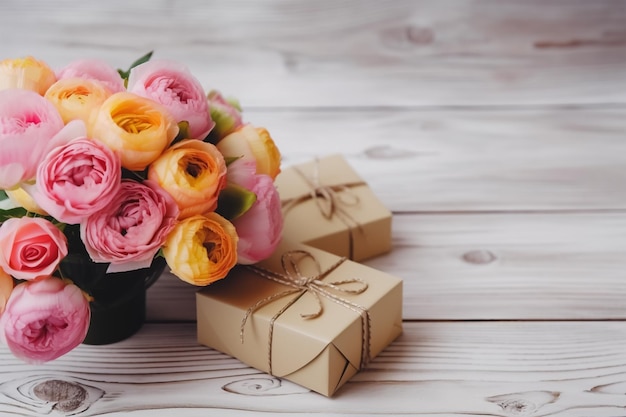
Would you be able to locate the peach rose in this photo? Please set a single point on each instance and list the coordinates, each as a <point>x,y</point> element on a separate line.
<point>26,74</point>
<point>193,173</point>
<point>31,247</point>
<point>77,98</point>
<point>201,249</point>
<point>249,142</point>
<point>139,128</point>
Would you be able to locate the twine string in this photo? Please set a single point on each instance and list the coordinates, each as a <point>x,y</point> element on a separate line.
<point>300,284</point>
<point>330,200</point>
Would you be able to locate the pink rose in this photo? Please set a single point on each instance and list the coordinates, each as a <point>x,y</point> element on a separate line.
<point>30,126</point>
<point>44,319</point>
<point>31,247</point>
<point>93,69</point>
<point>131,229</point>
<point>173,85</point>
<point>77,180</point>
<point>260,228</point>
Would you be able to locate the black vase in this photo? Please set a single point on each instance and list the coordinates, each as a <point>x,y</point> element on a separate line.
<point>118,306</point>
<point>117,315</point>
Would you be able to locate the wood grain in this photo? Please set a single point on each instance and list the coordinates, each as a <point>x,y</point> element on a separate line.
<point>489,266</point>
<point>351,53</point>
<point>494,130</point>
<point>490,369</point>
<point>460,160</point>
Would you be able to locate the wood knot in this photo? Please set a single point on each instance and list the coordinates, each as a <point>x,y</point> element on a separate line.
<point>479,257</point>
<point>263,386</point>
<point>420,35</point>
<point>518,407</point>
<point>388,152</point>
<point>524,403</point>
<point>407,37</point>
<point>68,396</point>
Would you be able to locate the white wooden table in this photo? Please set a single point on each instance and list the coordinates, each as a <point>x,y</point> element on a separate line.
<point>494,130</point>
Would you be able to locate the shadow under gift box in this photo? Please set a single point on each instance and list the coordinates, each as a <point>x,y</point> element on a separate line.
<point>320,353</point>
<point>328,206</point>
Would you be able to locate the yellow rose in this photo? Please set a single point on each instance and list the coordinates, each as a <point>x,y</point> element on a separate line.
<point>23,199</point>
<point>77,98</point>
<point>251,142</point>
<point>139,128</point>
<point>26,74</point>
<point>193,173</point>
<point>201,249</point>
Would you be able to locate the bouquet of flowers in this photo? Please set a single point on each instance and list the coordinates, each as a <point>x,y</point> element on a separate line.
<point>120,170</point>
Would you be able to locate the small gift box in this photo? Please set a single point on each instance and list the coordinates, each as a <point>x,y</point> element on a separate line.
<point>328,206</point>
<point>305,315</point>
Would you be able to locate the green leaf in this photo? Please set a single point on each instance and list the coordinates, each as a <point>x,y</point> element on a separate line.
<point>3,195</point>
<point>230,159</point>
<point>14,212</point>
<point>234,201</point>
<point>143,59</point>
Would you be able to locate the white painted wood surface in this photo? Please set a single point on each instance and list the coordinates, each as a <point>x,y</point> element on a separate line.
<point>494,130</point>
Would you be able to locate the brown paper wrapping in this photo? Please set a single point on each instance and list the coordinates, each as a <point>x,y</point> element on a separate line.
<point>319,353</point>
<point>359,226</point>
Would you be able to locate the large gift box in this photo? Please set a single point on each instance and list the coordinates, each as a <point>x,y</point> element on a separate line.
<point>305,315</point>
<point>327,205</point>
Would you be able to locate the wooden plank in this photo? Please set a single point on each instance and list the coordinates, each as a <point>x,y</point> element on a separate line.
<point>351,53</point>
<point>487,266</point>
<point>459,160</point>
<point>453,369</point>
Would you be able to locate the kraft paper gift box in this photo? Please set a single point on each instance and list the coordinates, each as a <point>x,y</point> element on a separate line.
<point>327,205</point>
<point>268,316</point>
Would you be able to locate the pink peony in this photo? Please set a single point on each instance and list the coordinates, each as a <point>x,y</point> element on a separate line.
<point>30,248</point>
<point>30,126</point>
<point>176,88</point>
<point>93,69</point>
<point>242,172</point>
<point>260,227</point>
<point>131,229</point>
<point>77,180</point>
<point>44,319</point>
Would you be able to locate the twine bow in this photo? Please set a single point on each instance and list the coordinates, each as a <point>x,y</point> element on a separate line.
<point>301,284</point>
<point>330,200</point>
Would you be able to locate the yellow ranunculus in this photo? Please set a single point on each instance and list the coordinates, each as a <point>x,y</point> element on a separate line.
<point>139,128</point>
<point>193,173</point>
<point>23,199</point>
<point>201,249</point>
<point>26,74</point>
<point>77,98</point>
<point>251,142</point>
